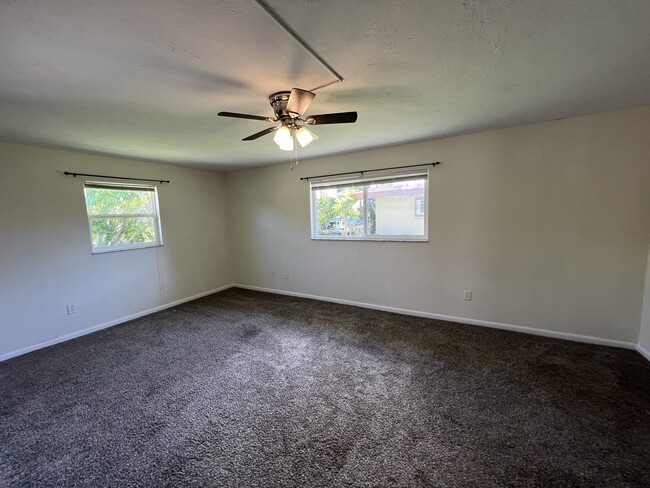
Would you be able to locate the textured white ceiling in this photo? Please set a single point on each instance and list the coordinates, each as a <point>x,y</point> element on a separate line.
<point>145,79</point>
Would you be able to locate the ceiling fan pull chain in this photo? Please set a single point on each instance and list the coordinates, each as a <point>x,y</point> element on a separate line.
<point>294,151</point>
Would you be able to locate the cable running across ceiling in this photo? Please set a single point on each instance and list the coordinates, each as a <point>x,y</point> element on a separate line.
<point>281,22</point>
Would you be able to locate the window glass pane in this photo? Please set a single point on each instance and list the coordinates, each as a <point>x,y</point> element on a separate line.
<point>339,211</point>
<point>389,206</point>
<point>120,231</point>
<point>122,216</point>
<point>103,201</point>
<point>397,209</point>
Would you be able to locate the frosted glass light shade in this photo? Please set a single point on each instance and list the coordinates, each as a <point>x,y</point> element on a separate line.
<point>283,137</point>
<point>305,136</point>
<point>287,146</point>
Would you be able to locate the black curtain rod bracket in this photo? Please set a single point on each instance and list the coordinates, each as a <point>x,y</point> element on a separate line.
<point>307,178</point>
<point>74,175</point>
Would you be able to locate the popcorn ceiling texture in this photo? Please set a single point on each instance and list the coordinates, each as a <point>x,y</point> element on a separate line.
<point>243,388</point>
<point>145,79</point>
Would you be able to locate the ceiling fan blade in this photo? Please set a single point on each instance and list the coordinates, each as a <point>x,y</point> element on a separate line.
<point>339,118</point>
<point>299,101</point>
<point>260,134</point>
<point>245,116</point>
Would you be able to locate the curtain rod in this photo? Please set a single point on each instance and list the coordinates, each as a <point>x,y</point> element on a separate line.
<point>370,170</point>
<point>113,177</point>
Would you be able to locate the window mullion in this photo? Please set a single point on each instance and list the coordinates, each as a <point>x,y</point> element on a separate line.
<point>365,210</point>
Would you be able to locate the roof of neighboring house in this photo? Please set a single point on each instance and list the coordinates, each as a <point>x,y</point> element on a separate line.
<point>393,190</point>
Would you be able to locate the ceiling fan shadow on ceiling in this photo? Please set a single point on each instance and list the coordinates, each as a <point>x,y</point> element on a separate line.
<point>289,108</point>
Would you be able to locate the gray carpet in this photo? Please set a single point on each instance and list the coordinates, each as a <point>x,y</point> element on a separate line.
<point>251,389</point>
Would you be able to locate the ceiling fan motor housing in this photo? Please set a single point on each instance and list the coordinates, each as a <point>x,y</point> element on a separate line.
<point>278,101</point>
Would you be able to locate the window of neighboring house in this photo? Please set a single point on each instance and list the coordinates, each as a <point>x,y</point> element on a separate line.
<point>419,207</point>
<point>122,216</point>
<point>377,207</point>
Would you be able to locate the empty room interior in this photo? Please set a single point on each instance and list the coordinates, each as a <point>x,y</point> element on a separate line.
<point>283,243</point>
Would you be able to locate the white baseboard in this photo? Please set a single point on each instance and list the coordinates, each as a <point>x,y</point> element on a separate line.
<point>483,323</point>
<point>494,325</point>
<point>643,351</point>
<point>105,325</point>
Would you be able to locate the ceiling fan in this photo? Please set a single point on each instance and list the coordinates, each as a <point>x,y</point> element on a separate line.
<point>289,108</point>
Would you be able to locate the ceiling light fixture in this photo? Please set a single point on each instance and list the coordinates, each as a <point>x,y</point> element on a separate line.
<point>287,146</point>
<point>283,137</point>
<point>305,136</point>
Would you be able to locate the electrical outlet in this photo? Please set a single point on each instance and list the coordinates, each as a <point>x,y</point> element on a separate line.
<point>286,276</point>
<point>467,295</point>
<point>272,273</point>
<point>72,308</point>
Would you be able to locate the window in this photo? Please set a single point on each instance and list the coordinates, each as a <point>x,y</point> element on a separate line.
<point>122,216</point>
<point>377,207</point>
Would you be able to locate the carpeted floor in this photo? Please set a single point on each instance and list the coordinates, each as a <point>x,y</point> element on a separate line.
<point>250,389</point>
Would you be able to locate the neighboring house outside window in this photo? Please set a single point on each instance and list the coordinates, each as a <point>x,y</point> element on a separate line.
<point>378,207</point>
<point>419,207</point>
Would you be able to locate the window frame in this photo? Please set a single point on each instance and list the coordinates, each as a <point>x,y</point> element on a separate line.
<point>126,187</point>
<point>364,179</point>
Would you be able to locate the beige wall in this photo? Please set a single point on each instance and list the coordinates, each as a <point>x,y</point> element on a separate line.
<point>547,224</point>
<point>644,333</point>
<point>45,260</point>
